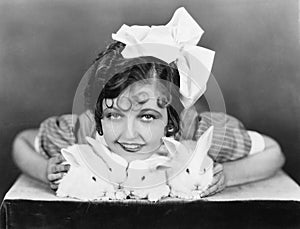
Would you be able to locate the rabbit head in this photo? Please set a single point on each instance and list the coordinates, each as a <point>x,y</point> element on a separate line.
<point>190,168</point>
<point>103,161</point>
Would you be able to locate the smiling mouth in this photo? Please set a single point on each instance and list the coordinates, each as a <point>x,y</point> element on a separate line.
<point>132,148</point>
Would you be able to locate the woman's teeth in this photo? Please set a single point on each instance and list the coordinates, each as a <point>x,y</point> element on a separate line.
<point>131,147</point>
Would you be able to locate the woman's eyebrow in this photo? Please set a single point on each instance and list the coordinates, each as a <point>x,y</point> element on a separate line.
<point>152,110</point>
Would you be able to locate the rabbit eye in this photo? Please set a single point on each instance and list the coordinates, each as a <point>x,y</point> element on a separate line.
<point>94,178</point>
<point>188,171</point>
<point>143,177</point>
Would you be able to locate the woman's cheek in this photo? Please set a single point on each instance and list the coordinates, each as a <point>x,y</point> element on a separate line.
<point>111,130</point>
<point>152,132</point>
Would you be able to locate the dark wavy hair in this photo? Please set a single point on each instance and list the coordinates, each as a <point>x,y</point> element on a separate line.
<point>111,74</point>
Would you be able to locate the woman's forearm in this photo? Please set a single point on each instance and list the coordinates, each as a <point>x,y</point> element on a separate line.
<point>255,167</point>
<point>26,158</point>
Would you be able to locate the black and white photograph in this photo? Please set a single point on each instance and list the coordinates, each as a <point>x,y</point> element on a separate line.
<point>149,114</point>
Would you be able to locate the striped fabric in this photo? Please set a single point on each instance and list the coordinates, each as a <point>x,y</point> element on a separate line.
<point>230,139</point>
<point>56,133</point>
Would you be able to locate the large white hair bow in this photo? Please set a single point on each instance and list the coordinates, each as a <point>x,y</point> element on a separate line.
<point>175,41</point>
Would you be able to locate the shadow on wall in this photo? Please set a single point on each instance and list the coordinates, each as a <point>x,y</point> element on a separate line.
<point>46,47</point>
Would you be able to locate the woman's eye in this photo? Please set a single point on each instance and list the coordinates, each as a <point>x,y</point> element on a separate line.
<point>147,117</point>
<point>114,116</point>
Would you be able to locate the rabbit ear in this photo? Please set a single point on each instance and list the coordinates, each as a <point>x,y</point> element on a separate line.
<point>101,150</point>
<point>203,145</point>
<point>69,154</point>
<point>172,145</point>
<point>206,138</point>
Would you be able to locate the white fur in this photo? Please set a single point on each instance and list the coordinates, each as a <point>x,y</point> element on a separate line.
<point>80,182</point>
<point>185,177</point>
<point>96,173</point>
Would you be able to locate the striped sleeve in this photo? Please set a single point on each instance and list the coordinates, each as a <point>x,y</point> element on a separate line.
<point>231,140</point>
<point>55,133</point>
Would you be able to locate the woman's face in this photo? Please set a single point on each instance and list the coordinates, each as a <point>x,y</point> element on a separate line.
<point>134,126</point>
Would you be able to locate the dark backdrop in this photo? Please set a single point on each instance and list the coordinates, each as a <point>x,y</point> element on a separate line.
<point>46,47</point>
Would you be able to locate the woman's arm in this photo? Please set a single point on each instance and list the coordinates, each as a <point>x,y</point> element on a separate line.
<point>34,164</point>
<point>26,158</point>
<point>255,167</point>
<point>252,168</point>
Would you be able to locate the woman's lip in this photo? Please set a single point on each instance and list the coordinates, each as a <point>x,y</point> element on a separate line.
<point>131,147</point>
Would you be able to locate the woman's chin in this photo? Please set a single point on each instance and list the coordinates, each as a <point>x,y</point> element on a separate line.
<point>131,156</point>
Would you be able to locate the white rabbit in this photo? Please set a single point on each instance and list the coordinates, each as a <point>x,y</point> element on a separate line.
<point>117,165</point>
<point>145,180</point>
<point>190,172</point>
<point>80,182</point>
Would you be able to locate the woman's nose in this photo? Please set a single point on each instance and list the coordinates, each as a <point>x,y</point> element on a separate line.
<point>129,130</point>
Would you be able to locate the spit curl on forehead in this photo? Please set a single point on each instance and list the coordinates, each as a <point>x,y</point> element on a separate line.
<point>134,98</point>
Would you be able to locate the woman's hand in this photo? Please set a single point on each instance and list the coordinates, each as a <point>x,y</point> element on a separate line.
<point>218,183</point>
<point>56,170</point>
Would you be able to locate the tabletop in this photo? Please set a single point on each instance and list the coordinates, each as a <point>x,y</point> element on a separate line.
<point>274,201</point>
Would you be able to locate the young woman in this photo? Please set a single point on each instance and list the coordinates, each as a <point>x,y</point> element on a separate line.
<point>135,109</point>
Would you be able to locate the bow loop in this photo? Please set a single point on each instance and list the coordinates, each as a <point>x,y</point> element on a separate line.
<point>131,35</point>
<point>185,28</point>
